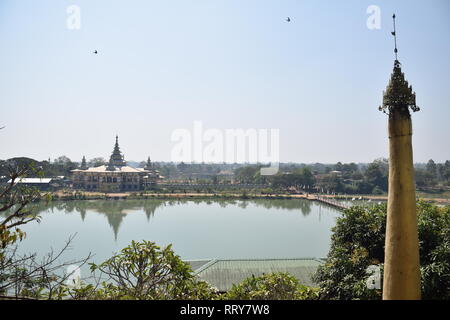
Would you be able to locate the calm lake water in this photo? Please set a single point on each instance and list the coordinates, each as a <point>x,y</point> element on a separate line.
<point>198,229</point>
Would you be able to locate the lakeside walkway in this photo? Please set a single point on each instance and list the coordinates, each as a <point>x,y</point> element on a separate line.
<point>332,202</point>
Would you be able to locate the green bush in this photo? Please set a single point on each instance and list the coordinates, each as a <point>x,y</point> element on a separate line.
<point>145,271</point>
<point>358,241</point>
<point>274,286</point>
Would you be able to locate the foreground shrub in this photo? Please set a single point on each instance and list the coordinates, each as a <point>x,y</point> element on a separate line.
<point>145,271</point>
<point>274,286</point>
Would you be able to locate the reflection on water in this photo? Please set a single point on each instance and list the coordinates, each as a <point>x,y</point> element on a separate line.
<point>219,228</point>
<point>116,210</point>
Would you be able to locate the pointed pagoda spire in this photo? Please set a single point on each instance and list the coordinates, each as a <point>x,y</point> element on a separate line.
<point>116,159</point>
<point>83,165</point>
<point>149,165</point>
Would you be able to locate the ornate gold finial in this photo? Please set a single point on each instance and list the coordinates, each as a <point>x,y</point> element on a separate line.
<point>399,94</point>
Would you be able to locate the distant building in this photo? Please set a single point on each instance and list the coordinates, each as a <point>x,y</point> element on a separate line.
<point>115,176</point>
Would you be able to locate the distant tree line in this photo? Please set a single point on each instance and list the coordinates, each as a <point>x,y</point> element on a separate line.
<point>344,178</point>
<point>433,174</point>
<point>347,178</point>
<point>59,167</point>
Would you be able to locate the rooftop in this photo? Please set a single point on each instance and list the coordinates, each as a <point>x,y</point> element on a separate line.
<point>222,274</point>
<point>117,169</point>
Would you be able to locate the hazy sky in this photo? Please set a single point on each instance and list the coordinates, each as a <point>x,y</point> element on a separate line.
<point>162,64</point>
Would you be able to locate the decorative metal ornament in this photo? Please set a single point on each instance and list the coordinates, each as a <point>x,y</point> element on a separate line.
<point>399,95</point>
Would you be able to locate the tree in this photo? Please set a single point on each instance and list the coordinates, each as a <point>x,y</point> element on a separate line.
<point>14,201</point>
<point>350,168</point>
<point>358,242</point>
<point>424,178</point>
<point>307,177</point>
<point>432,169</point>
<point>447,170</point>
<point>331,182</point>
<point>441,172</point>
<point>63,166</point>
<point>376,175</point>
<point>339,166</point>
<point>298,178</point>
<point>143,270</point>
<point>182,166</point>
<point>96,162</point>
<point>248,174</point>
<point>25,276</point>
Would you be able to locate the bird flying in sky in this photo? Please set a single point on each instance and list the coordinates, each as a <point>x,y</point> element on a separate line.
<point>95,52</point>
<point>288,19</point>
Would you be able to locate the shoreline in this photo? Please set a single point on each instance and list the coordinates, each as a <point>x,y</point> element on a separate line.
<point>80,195</point>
